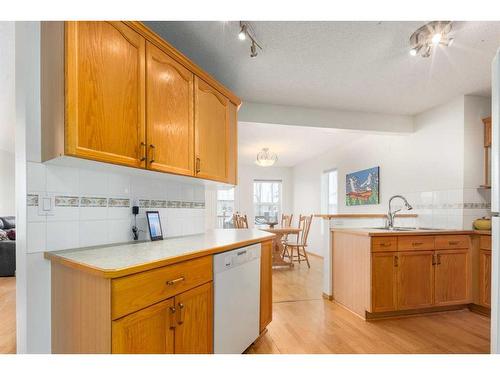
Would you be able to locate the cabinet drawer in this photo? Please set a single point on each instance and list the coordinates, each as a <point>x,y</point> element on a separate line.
<point>416,243</point>
<point>384,244</point>
<point>452,242</point>
<point>485,242</point>
<point>132,293</point>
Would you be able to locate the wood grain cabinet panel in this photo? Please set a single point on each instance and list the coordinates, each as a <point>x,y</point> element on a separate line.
<point>415,243</point>
<point>452,277</point>
<point>134,292</point>
<point>194,328</point>
<point>485,278</point>
<point>452,242</point>
<point>415,279</point>
<point>384,244</point>
<point>266,285</point>
<point>170,115</point>
<point>485,242</point>
<point>384,282</point>
<point>105,92</point>
<point>211,119</point>
<point>148,331</point>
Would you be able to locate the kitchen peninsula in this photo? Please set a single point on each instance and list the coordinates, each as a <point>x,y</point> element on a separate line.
<point>146,297</point>
<point>378,272</point>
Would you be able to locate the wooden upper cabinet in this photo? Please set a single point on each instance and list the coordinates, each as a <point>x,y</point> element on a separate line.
<point>452,277</point>
<point>212,117</point>
<point>415,279</point>
<point>170,127</point>
<point>105,92</point>
<point>148,331</point>
<point>194,322</point>
<point>384,282</point>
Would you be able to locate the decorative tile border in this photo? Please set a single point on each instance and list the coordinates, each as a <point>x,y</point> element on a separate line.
<point>118,202</point>
<point>93,202</point>
<point>74,201</point>
<point>66,201</point>
<point>32,200</point>
<point>144,203</point>
<point>158,203</point>
<point>481,206</point>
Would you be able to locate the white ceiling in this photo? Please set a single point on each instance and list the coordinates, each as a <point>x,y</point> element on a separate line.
<point>361,66</point>
<point>293,144</point>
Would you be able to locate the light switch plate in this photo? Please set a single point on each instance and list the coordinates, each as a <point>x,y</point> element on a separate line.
<point>46,205</point>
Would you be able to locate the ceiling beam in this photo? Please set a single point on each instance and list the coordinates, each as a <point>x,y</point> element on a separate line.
<point>324,118</point>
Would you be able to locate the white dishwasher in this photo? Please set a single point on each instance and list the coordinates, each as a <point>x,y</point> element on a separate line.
<point>236,299</point>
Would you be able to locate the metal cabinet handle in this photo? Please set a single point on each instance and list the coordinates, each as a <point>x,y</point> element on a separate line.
<point>175,281</point>
<point>453,242</point>
<point>173,323</point>
<point>152,153</point>
<point>144,152</point>
<point>417,243</point>
<point>383,244</point>
<point>198,165</point>
<point>181,311</point>
<point>438,259</point>
<point>396,261</point>
<point>433,259</point>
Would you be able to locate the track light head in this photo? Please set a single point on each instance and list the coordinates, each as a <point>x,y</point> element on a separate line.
<point>253,50</point>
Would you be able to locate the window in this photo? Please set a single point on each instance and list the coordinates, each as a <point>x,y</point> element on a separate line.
<point>225,207</point>
<point>332,190</point>
<point>267,201</point>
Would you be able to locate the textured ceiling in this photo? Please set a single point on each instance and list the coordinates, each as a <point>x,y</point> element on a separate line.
<point>291,143</point>
<point>362,66</point>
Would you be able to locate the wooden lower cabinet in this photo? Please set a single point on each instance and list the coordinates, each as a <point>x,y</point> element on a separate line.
<point>147,331</point>
<point>181,325</point>
<point>384,282</point>
<point>452,277</point>
<point>485,278</point>
<point>194,321</point>
<point>415,279</point>
<point>266,285</point>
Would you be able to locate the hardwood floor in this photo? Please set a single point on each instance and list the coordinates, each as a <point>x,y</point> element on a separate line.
<point>7,315</point>
<point>303,322</point>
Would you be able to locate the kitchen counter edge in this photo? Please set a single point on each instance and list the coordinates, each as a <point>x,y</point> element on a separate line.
<point>58,256</point>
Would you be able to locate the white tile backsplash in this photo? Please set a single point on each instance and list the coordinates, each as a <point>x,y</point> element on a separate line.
<point>62,179</point>
<point>80,226</point>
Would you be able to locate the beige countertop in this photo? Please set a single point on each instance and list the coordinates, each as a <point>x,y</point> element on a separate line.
<point>384,232</point>
<point>118,260</point>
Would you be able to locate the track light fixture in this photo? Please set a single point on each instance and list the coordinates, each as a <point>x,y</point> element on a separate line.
<point>247,31</point>
<point>429,36</point>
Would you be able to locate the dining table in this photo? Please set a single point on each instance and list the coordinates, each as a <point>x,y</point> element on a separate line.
<point>278,248</point>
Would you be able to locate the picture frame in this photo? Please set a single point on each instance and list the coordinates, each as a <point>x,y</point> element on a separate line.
<point>154,224</point>
<point>363,187</point>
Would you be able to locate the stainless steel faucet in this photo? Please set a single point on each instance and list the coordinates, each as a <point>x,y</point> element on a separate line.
<point>391,214</point>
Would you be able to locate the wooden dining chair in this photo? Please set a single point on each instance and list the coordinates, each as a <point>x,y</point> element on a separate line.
<point>300,246</point>
<point>240,221</point>
<point>286,221</point>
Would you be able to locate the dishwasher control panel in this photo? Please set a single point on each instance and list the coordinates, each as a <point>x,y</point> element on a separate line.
<point>236,257</point>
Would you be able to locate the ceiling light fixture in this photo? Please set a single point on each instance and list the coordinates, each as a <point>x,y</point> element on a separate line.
<point>429,36</point>
<point>266,158</point>
<point>246,30</point>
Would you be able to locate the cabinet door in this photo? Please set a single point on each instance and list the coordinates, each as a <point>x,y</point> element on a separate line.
<point>232,158</point>
<point>415,272</point>
<point>194,331</point>
<point>485,278</point>
<point>170,128</point>
<point>211,132</point>
<point>105,92</point>
<point>147,331</point>
<point>452,277</point>
<point>384,282</point>
<point>266,284</point>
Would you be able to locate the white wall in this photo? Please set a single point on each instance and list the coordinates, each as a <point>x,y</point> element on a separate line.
<point>427,166</point>
<point>244,191</point>
<point>7,118</point>
<point>7,183</point>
